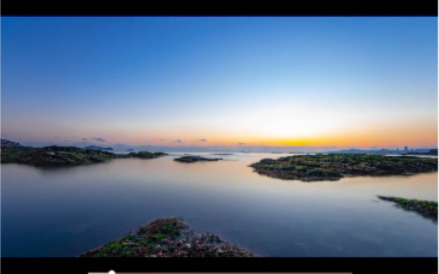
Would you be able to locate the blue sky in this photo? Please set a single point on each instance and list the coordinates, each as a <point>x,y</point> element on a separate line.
<point>350,81</point>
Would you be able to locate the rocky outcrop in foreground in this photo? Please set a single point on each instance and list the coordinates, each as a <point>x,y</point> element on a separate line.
<point>427,209</point>
<point>168,237</point>
<point>336,166</point>
<point>192,159</point>
<point>62,156</point>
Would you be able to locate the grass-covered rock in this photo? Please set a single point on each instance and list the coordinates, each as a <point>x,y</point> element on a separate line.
<point>427,209</point>
<point>168,237</point>
<point>336,166</point>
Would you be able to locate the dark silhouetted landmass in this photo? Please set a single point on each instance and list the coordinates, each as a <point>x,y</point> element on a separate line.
<point>427,209</point>
<point>9,144</point>
<point>336,166</point>
<point>168,237</point>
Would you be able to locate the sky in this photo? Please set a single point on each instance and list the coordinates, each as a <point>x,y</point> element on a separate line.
<point>220,81</point>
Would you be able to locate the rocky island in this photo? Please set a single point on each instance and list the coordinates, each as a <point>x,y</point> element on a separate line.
<point>49,156</point>
<point>143,155</point>
<point>427,209</point>
<point>168,237</point>
<point>192,159</point>
<point>336,166</point>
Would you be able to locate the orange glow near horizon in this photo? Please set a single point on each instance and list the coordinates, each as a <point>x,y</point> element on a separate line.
<point>362,136</point>
<point>397,137</point>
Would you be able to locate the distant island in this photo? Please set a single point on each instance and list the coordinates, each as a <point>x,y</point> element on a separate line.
<point>143,155</point>
<point>98,147</point>
<point>192,159</point>
<point>12,152</point>
<point>336,166</point>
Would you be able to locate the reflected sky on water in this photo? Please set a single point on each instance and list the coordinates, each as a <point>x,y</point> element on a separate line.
<point>66,211</point>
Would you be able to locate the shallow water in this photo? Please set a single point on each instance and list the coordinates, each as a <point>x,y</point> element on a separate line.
<point>66,211</point>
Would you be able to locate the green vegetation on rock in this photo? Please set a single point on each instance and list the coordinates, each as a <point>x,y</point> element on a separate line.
<point>336,166</point>
<point>168,237</point>
<point>427,209</point>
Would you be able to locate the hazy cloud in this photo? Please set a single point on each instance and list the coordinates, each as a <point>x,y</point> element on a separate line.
<point>201,140</point>
<point>241,144</point>
<point>84,139</point>
<point>100,139</point>
<point>163,139</point>
<point>178,141</point>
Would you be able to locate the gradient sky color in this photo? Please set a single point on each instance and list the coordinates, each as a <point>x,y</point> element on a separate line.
<point>220,81</point>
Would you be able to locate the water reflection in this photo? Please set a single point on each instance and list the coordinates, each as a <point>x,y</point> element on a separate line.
<point>66,211</point>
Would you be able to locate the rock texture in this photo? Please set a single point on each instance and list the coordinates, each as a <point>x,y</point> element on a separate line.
<point>168,237</point>
<point>336,166</point>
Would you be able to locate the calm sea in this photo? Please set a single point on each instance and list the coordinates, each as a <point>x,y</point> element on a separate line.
<point>63,212</point>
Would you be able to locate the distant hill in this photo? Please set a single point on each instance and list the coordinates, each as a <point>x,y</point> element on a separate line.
<point>10,144</point>
<point>98,148</point>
